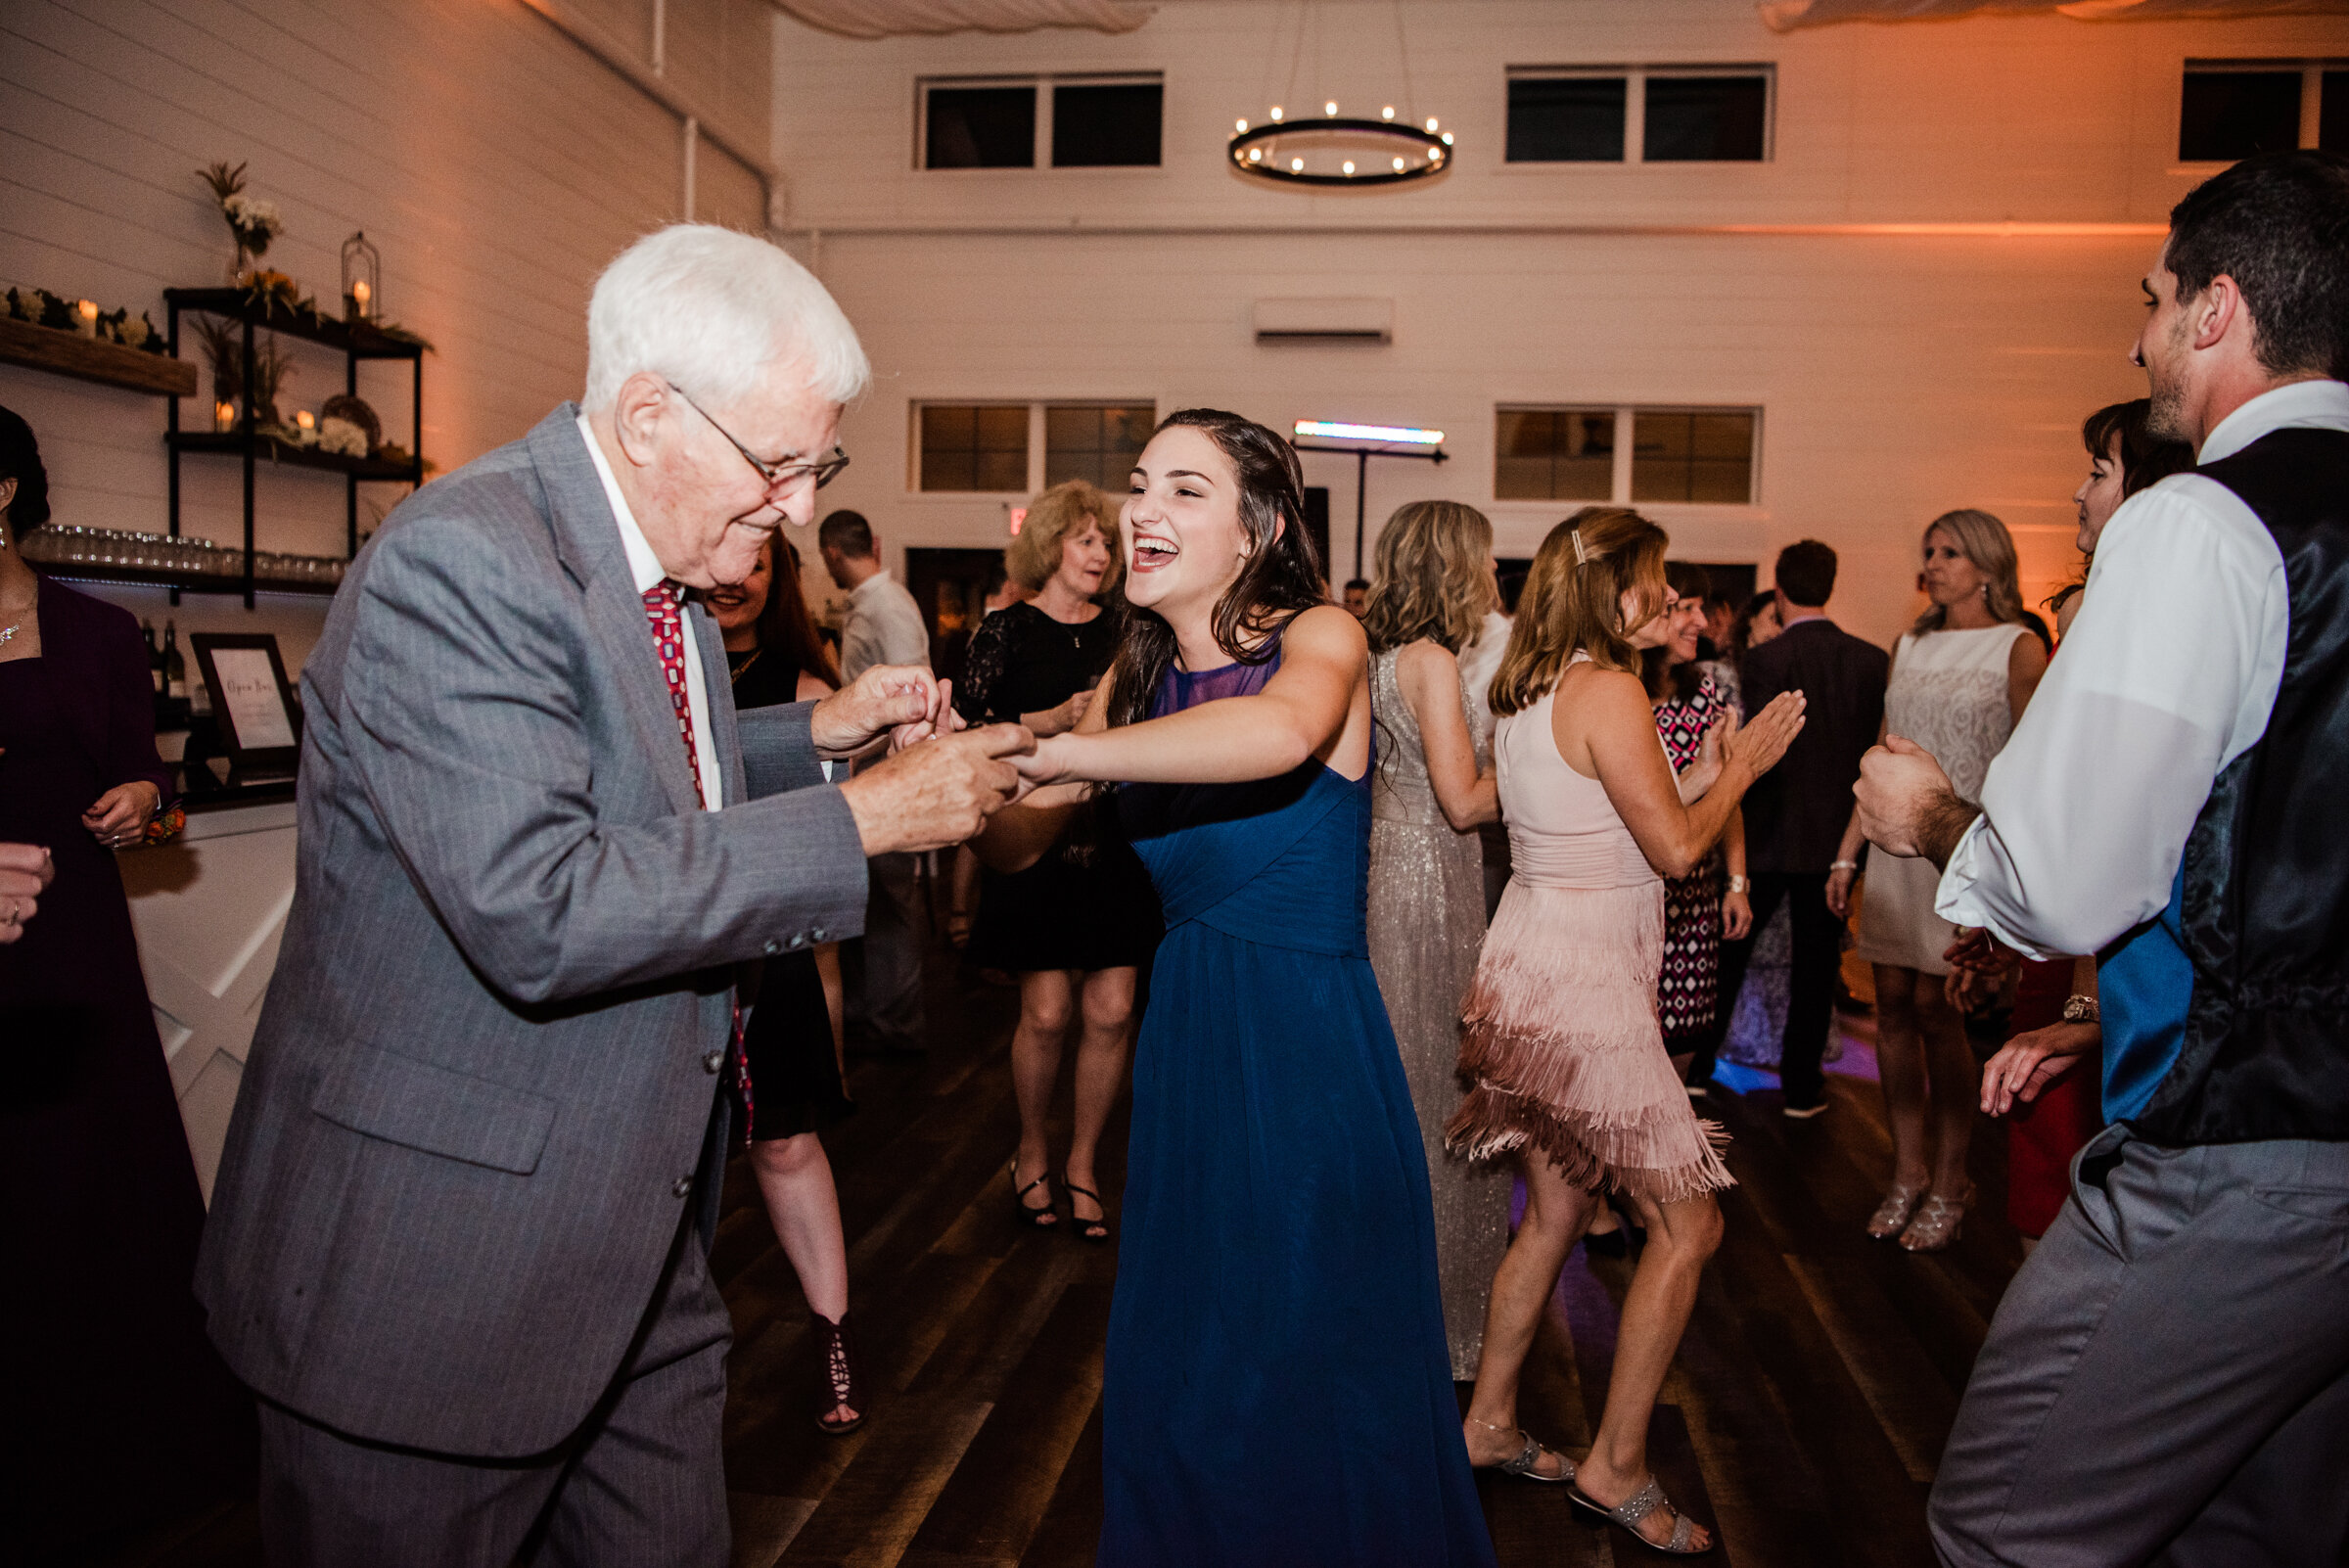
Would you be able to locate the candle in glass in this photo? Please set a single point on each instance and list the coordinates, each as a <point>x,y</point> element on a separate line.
<point>85,318</point>
<point>224,417</point>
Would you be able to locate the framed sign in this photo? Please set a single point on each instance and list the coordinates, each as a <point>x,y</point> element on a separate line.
<point>252,703</point>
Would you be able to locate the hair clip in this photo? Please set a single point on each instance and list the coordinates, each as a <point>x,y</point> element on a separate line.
<point>1582,557</point>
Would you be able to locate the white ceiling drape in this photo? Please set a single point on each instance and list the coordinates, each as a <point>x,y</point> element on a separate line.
<point>884,18</point>
<point>1786,14</point>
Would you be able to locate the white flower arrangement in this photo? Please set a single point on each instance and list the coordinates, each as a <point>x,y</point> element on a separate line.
<point>341,435</point>
<point>256,222</point>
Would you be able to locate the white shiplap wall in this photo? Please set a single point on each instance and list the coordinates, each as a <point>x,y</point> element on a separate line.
<point>496,165</point>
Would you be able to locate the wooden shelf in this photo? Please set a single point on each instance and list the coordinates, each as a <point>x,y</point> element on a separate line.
<point>358,339</point>
<point>268,448</point>
<point>110,364</point>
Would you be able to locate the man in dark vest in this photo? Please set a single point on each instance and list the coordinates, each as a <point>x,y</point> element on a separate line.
<point>2168,1377</point>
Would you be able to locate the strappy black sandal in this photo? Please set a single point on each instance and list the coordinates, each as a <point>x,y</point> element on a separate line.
<point>1525,1465</point>
<point>1044,1219</point>
<point>1096,1231</point>
<point>843,1375</point>
<point>1638,1506</point>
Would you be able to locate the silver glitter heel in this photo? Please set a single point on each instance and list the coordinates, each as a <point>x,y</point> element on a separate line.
<point>1892,1215</point>
<point>1523,1467</point>
<point>1939,1221</point>
<point>1638,1506</point>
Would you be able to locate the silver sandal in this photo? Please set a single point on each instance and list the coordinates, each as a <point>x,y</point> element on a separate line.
<point>1893,1215</point>
<point>1643,1502</point>
<point>1523,1465</point>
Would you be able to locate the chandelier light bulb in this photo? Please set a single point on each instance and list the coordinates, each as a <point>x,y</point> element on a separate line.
<point>1255,153</point>
<point>1398,165</point>
<point>1296,165</point>
<point>1240,125</point>
<point>1387,113</point>
<point>1431,124</point>
<point>1330,108</point>
<point>1448,138</point>
<point>1276,112</point>
<point>1347,165</point>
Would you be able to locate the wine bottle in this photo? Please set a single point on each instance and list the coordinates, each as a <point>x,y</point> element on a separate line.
<point>175,668</point>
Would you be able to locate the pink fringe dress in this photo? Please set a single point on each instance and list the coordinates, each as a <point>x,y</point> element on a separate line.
<point>1560,1035</point>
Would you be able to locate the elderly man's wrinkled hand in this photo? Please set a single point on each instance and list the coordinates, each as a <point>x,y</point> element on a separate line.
<point>928,797</point>
<point>882,700</point>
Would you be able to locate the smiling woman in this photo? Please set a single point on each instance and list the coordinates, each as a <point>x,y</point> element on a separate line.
<point>1276,1388</point>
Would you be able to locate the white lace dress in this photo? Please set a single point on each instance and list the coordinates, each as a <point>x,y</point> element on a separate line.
<point>1948,695</point>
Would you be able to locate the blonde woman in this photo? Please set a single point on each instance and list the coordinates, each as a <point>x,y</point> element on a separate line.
<point>1076,926</point>
<point>1561,1035</point>
<point>1430,789</point>
<point>1960,680</point>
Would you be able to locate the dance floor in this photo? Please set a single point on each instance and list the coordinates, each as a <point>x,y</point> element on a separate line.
<point>1813,1393</point>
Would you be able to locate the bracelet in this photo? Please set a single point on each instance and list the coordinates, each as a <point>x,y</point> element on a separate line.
<point>2080,1010</point>
<point>1842,865</point>
<point>1738,884</point>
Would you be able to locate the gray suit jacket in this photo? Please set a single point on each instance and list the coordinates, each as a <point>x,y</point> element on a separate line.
<point>476,1105</point>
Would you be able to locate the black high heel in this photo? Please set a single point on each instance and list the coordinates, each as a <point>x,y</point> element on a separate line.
<point>1096,1231</point>
<point>1044,1219</point>
<point>843,1375</point>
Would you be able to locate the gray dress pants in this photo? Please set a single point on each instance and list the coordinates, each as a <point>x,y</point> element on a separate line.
<point>881,971</point>
<point>2166,1379</point>
<point>643,1482</point>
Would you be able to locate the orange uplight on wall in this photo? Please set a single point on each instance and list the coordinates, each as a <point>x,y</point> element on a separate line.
<point>1019,515</point>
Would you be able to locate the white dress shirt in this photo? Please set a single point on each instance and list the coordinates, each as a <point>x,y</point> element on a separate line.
<point>2168,676</point>
<point>645,568</point>
<point>885,627</point>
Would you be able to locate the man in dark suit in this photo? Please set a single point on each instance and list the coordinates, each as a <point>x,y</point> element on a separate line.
<point>453,1241</point>
<point>1795,815</point>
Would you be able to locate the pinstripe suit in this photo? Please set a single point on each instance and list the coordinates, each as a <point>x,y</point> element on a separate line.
<point>480,1096</point>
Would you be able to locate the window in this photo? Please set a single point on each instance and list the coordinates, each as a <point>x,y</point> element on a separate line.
<point>1018,448</point>
<point>2233,108</point>
<point>1700,456</point>
<point>1096,442</point>
<point>1639,115</point>
<point>1029,121</point>
<point>967,446</point>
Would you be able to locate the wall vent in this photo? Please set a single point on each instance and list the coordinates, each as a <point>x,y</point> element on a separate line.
<point>1341,323</point>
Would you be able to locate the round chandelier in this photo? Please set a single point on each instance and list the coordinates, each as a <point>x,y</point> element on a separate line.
<point>1331,149</point>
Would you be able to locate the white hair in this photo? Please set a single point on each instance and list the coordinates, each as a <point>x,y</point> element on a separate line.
<point>710,310</point>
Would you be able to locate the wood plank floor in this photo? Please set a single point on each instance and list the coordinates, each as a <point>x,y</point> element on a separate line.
<point>1813,1393</point>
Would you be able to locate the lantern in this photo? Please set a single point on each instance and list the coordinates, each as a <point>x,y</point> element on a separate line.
<point>362,266</point>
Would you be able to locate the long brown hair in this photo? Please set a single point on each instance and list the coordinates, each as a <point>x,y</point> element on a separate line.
<point>1662,677</point>
<point>1280,578</point>
<point>1984,540</point>
<point>785,623</point>
<point>1573,601</point>
<point>1432,576</point>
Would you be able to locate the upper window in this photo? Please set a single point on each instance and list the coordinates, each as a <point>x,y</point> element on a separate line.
<point>1029,121</point>
<point>995,447</point>
<point>2235,108</point>
<point>1703,456</point>
<point>1639,115</point>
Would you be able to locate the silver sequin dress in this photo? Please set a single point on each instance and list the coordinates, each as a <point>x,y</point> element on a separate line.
<point>1427,923</point>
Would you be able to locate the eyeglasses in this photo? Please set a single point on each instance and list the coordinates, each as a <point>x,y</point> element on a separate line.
<point>789,475</point>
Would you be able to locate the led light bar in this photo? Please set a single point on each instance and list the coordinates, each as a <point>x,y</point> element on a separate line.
<point>1369,433</point>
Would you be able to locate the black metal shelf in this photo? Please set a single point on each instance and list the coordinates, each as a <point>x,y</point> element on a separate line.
<point>179,582</point>
<point>355,340</point>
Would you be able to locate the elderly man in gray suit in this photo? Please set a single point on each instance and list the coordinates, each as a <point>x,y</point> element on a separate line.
<point>452,1242</point>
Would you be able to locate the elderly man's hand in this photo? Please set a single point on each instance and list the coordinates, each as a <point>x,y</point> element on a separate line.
<point>25,870</point>
<point>938,793</point>
<point>1906,806</point>
<point>876,703</point>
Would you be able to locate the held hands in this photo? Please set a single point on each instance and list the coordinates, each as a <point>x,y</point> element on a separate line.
<point>1901,789</point>
<point>2028,1063</point>
<point>1979,964</point>
<point>1757,747</point>
<point>119,816</point>
<point>926,797</point>
<point>25,870</point>
<point>883,699</point>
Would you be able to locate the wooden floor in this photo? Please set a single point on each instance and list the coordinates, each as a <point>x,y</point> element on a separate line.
<point>1812,1397</point>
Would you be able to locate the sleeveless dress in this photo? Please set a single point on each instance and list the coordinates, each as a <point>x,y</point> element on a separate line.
<point>1687,993</point>
<point>1427,922</point>
<point>1276,1390</point>
<point>1561,1034</point>
<point>1948,695</point>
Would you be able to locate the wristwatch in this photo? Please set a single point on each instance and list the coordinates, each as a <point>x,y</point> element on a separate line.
<point>2080,1010</point>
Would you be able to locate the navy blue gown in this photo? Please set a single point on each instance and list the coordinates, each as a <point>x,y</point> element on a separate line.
<point>1278,1389</point>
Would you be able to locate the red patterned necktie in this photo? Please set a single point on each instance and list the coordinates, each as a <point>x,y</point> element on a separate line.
<point>668,642</point>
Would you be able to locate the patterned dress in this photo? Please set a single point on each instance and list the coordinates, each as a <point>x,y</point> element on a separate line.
<point>1685,990</point>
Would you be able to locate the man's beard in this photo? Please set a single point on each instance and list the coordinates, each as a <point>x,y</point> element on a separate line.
<point>2166,420</point>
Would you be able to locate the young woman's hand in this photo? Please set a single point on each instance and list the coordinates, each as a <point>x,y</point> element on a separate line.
<point>1839,891</point>
<point>2028,1063</point>
<point>1736,916</point>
